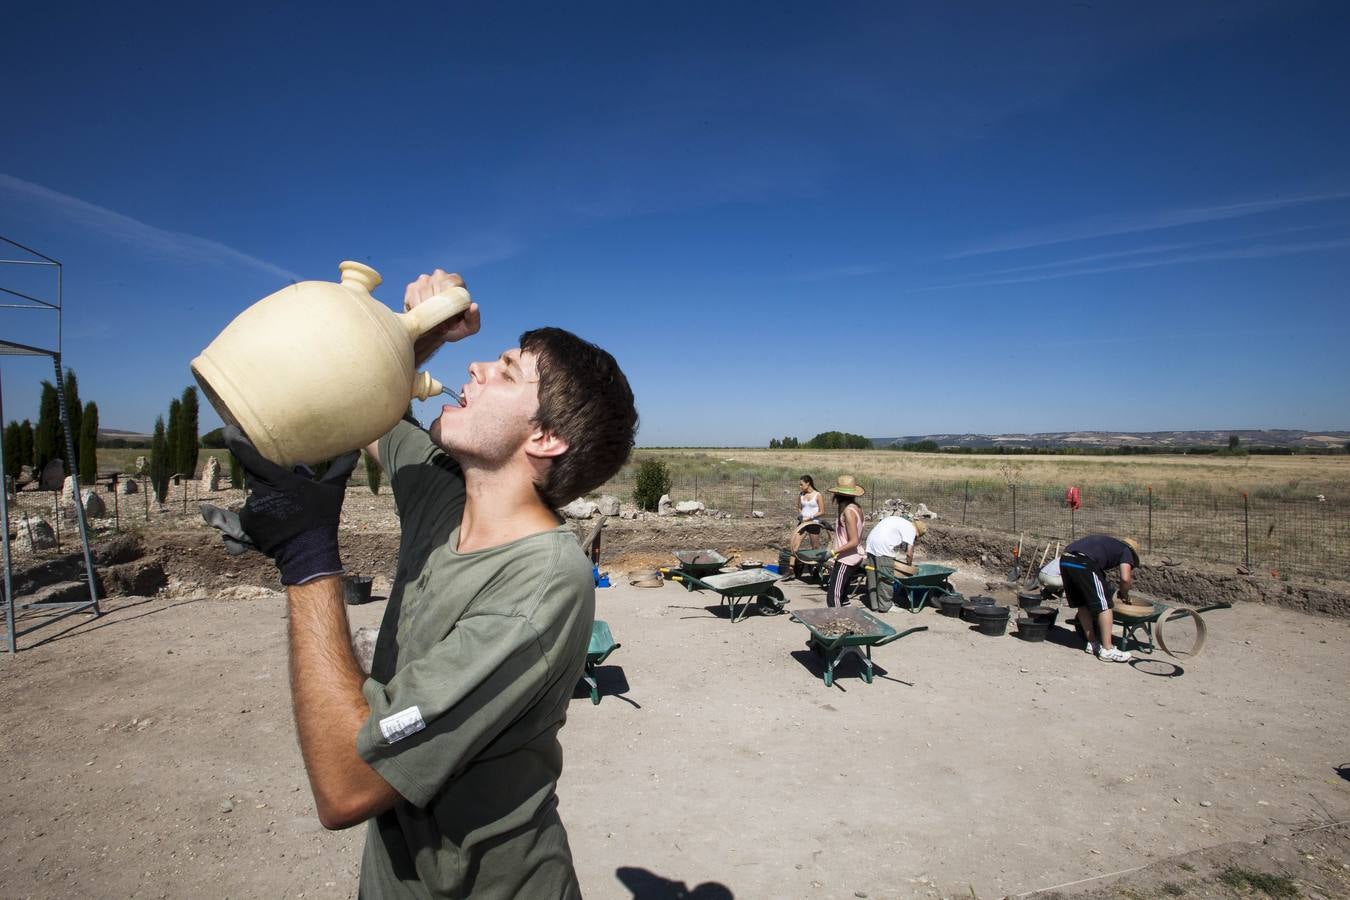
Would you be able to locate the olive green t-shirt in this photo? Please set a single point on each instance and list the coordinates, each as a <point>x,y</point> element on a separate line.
<point>476,660</point>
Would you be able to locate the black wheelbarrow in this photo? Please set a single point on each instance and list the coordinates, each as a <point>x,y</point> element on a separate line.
<point>739,589</point>
<point>836,633</point>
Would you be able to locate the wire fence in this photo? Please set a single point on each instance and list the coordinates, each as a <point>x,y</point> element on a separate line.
<point>1268,533</point>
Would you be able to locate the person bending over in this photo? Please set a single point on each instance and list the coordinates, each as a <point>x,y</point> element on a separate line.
<point>884,543</point>
<point>449,749</point>
<point>1083,567</point>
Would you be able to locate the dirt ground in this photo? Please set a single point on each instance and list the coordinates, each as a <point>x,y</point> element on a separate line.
<point>150,752</point>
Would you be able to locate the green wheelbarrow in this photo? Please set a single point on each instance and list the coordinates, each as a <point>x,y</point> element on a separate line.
<point>601,646</point>
<point>1133,623</point>
<point>836,633</point>
<point>918,588</point>
<point>739,589</point>
<point>699,563</point>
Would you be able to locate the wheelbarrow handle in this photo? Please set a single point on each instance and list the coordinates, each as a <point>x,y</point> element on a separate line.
<point>1214,606</point>
<point>899,634</point>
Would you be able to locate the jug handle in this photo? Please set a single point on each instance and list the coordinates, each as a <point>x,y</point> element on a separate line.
<point>426,316</point>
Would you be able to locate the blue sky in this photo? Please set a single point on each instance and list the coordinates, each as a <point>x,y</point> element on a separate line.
<point>782,218</point>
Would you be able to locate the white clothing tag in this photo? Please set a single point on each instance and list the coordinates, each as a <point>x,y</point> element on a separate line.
<point>397,726</point>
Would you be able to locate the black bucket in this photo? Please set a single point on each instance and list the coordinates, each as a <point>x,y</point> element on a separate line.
<point>951,606</point>
<point>1044,615</point>
<point>784,561</point>
<point>969,607</point>
<point>1032,631</point>
<point>991,620</point>
<point>356,589</point>
<point>1028,600</point>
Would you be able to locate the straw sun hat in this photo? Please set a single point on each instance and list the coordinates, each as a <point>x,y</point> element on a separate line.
<point>1133,544</point>
<point>847,485</point>
<point>920,527</point>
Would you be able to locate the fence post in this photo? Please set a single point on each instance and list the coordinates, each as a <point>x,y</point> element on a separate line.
<point>1073,525</point>
<point>874,500</point>
<point>1014,495</point>
<point>752,495</point>
<point>1150,519</point>
<point>117,515</point>
<point>695,497</point>
<point>964,501</point>
<point>1246,533</point>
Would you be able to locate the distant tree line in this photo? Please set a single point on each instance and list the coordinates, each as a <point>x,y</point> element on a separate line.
<point>787,443</point>
<point>826,440</point>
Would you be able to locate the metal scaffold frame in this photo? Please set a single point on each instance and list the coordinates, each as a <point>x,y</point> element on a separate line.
<point>58,609</point>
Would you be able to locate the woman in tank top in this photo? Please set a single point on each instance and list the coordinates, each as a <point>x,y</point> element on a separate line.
<point>809,524</point>
<point>846,550</point>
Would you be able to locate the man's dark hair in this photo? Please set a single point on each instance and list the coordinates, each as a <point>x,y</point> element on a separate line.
<point>585,400</point>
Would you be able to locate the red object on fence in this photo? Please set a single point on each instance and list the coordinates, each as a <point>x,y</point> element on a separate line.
<point>1073,497</point>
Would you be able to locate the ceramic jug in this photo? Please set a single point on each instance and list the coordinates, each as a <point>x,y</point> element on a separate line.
<point>319,368</point>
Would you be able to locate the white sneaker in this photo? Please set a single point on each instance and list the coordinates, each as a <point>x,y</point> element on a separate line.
<point>1090,648</point>
<point>1113,654</point>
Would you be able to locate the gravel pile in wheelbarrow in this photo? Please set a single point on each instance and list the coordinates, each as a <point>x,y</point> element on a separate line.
<point>842,627</point>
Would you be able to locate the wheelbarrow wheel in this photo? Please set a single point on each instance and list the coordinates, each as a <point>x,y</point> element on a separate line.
<point>772,602</point>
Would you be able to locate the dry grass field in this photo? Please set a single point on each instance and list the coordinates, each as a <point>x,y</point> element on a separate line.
<point>1287,475</point>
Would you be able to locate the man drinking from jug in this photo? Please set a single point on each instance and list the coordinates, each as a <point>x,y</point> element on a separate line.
<point>449,749</point>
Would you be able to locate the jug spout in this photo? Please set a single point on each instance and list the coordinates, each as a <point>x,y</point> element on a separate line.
<point>425,386</point>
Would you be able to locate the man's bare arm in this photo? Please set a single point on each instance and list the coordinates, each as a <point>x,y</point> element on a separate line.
<point>330,708</point>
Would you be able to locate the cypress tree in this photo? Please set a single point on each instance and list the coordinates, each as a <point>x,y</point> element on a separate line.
<point>89,444</point>
<point>236,472</point>
<point>159,461</point>
<point>74,411</point>
<point>13,450</point>
<point>171,436</point>
<point>48,427</point>
<point>26,443</point>
<point>188,445</point>
<point>373,472</point>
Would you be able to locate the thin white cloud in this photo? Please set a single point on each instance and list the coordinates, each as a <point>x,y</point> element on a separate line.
<point>1240,253</point>
<point>1160,248</point>
<point>1107,226</point>
<point>175,245</point>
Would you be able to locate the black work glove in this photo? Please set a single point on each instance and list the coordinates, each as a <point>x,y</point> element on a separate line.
<point>288,515</point>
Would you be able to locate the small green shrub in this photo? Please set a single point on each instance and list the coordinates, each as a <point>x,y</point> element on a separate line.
<point>653,480</point>
<point>1267,883</point>
<point>1172,888</point>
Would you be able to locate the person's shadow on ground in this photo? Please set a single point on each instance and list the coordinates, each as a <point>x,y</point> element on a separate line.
<point>647,885</point>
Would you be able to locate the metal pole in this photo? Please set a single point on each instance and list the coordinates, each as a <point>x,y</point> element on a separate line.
<point>75,480</point>
<point>964,501</point>
<point>117,515</point>
<point>1246,533</point>
<point>1014,495</point>
<point>1150,518</point>
<point>4,513</point>
<point>752,495</point>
